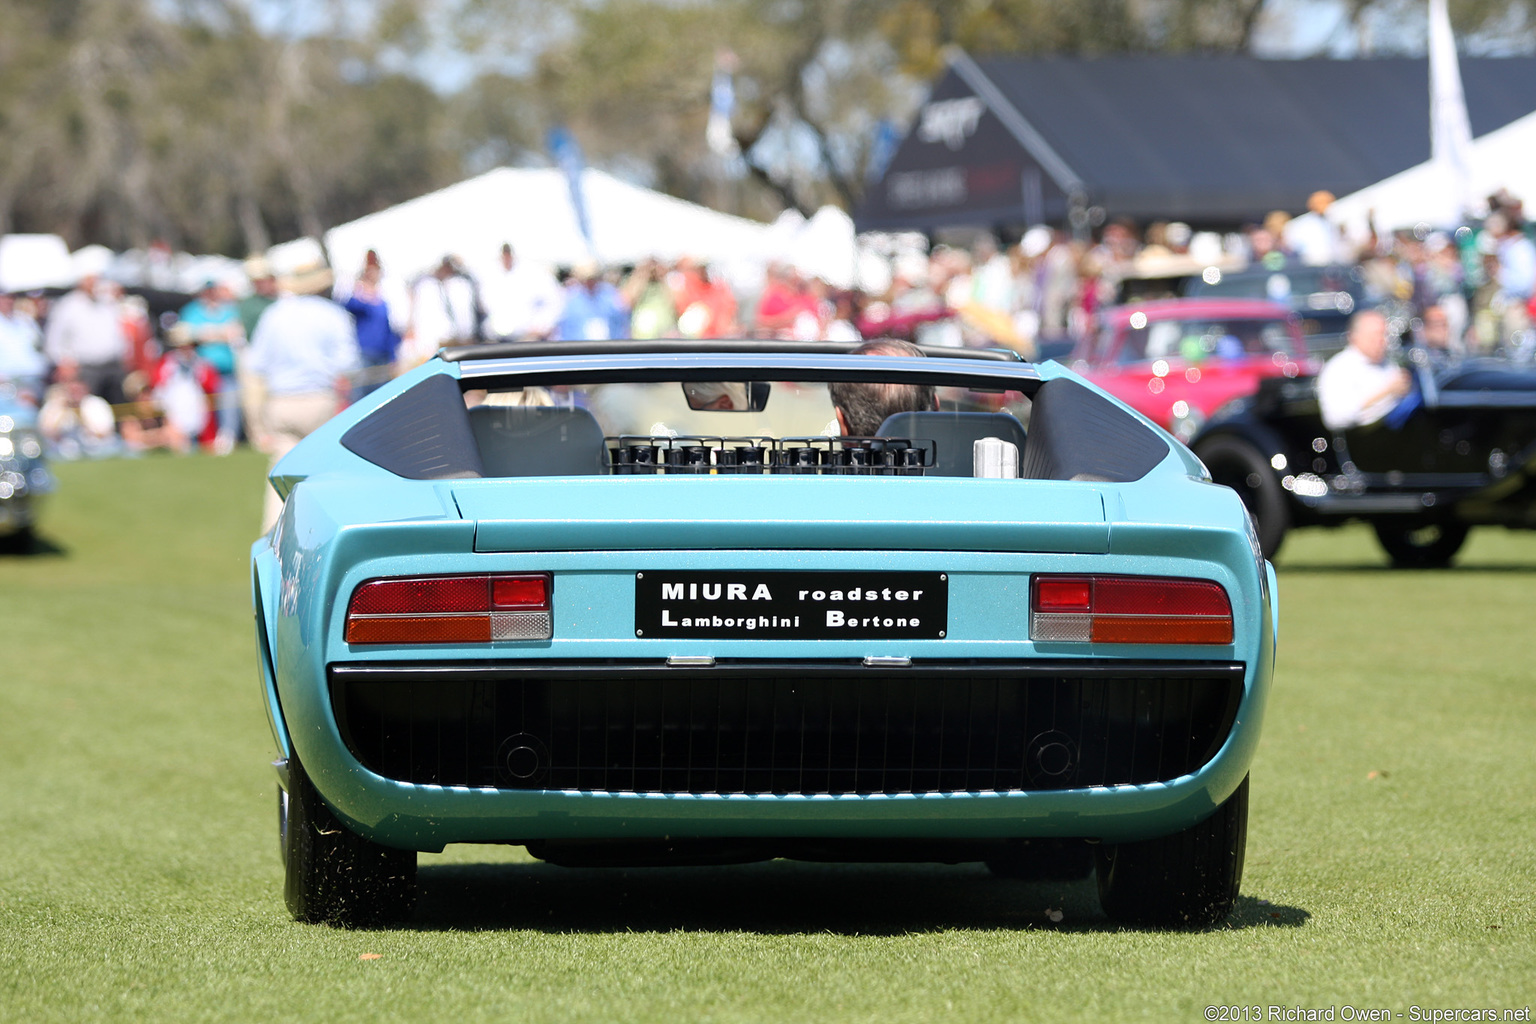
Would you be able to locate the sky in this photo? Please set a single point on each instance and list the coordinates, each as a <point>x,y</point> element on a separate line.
<point>1305,26</point>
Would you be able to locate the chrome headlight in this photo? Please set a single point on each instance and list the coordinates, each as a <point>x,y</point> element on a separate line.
<point>20,443</point>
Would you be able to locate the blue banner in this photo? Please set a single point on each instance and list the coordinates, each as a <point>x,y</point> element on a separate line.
<point>567,156</point>
<point>881,149</point>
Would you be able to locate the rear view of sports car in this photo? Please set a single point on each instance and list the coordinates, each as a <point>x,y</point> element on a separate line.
<point>686,602</point>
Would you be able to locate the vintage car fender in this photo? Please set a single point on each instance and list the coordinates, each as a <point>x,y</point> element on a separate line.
<point>1236,419</point>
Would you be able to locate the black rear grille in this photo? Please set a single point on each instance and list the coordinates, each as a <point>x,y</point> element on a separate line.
<point>786,728</point>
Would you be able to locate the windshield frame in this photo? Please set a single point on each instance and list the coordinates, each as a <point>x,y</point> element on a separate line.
<point>644,367</point>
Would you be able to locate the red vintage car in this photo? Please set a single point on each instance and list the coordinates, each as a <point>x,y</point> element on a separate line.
<point>1177,361</point>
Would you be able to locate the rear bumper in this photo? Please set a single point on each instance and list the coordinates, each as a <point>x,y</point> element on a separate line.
<point>595,623</point>
<point>431,753</point>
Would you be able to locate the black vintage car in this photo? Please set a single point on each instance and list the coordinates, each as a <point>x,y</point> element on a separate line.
<point>1323,298</point>
<point>1466,456</point>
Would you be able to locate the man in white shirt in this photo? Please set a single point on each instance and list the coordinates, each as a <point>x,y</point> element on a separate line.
<point>443,312</point>
<point>522,302</point>
<point>1312,236</point>
<point>1356,386</point>
<point>301,355</point>
<point>86,329</point>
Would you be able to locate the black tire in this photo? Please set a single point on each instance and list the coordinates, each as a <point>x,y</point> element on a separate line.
<point>333,875</point>
<point>1043,860</point>
<point>1237,464</point>
<point>1421,546</point>
<point>1187,880</point>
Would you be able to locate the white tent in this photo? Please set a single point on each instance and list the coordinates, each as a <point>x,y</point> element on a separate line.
<point>531,209</point>
<point>1503,158</point>
<point>35,261</point>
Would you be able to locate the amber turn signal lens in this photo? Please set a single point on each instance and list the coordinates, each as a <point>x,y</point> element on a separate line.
<point>427,629</point>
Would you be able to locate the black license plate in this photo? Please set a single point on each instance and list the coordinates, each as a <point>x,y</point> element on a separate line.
<point>792,605</point>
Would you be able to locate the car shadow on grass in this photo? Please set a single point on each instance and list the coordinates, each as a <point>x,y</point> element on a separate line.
<point>777,897</point>
<point>1382,568</point>
<point>29,545</point>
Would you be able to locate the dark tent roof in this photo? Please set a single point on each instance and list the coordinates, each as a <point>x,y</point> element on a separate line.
<point>1210,140</point>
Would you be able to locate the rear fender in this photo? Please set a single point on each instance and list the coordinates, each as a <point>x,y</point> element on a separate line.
<point>264,601</point>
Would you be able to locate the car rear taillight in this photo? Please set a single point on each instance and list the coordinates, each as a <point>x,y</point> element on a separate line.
<point>1129,610</point>
<point>451,609</point>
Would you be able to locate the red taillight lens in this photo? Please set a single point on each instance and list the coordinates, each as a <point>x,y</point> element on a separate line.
<point>451,610</point>
<point>1063,594</point>
<point>1129,610</point>
<point>424,595</point>
<point>520,592</point>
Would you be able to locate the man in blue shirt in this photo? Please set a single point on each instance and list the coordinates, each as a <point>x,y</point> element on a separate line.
<point>594,308</point>
<point>1517,271</point>
<point>377,341</point>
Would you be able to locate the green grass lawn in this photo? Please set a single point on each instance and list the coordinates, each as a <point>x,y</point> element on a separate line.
<point>1391,856</point>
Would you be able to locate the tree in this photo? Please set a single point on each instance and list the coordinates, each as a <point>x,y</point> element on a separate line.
<point>222,125</point>
<point>816,77</point>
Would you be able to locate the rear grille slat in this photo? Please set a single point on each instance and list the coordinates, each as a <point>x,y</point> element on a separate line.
<point>784,730</point>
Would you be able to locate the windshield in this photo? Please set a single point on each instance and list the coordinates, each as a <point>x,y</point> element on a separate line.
<point>729,426</point>
<point>1291,285</point>
<point>1198,340</point>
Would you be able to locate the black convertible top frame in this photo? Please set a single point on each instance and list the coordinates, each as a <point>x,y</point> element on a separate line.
<point>424,433</point>
<point>673,346</point>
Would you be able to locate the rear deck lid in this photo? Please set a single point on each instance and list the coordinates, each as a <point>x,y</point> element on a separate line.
<point>710,512</point>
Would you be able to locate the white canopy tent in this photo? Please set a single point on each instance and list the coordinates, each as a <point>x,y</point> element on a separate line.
<point>29,262</point>
<point>1425,194</point>
<point>532,209</point>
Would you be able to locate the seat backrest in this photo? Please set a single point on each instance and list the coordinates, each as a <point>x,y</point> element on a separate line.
<point>954,434</point>
<point>518,440</point>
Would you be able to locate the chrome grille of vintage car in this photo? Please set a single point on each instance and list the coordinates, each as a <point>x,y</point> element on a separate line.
<point>785,728</point>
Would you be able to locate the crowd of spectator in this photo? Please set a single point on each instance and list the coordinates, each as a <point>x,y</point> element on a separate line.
<point>110,378</point>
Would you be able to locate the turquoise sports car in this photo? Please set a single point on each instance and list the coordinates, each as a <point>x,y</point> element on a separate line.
<point>635,603</point>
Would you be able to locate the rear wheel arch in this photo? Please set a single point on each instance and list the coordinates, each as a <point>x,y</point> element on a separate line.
<point>267,664</point>
<point>332,874</point>
<point>1187,880</point>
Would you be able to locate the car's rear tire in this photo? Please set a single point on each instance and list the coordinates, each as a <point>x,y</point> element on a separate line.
<point>1187,880</point>
<point>1043,860</point>
<point>333,875</point>
<point>1237,464</point>
<point>1422,546</point>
